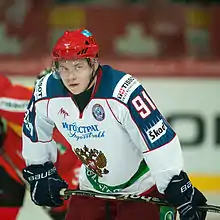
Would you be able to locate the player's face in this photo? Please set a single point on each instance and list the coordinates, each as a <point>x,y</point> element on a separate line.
<point>75,75</point>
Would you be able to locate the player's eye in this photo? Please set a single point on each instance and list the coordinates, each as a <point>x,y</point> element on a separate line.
<point>63,68</point>
<point>79,67</point>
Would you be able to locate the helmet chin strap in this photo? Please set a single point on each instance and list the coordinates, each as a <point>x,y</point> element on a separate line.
<point>94,73</point>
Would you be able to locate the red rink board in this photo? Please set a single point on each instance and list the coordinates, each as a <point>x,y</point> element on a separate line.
<point>145,68</point>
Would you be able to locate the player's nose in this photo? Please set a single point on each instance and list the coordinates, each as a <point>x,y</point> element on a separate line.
<point>72,76</point>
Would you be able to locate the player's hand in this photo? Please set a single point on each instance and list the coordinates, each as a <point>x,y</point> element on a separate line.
<point>185,198</point>
<point>45,184</point>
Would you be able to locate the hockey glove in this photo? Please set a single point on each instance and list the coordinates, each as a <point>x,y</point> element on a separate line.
<point>185,198</point>
<point>45,184</point>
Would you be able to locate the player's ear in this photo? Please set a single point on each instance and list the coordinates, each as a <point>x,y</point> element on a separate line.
<point>95,63</point>
<point>95,60</point>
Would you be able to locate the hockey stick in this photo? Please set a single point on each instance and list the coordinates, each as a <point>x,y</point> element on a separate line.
<point>66,193</point>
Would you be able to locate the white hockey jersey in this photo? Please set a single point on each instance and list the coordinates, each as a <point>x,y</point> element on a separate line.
<point>123,141</point>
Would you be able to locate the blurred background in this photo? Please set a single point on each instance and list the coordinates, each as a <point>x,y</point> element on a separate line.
<point>171,46</point>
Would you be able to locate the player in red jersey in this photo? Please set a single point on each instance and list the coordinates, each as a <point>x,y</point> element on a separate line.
<point>13,103</point>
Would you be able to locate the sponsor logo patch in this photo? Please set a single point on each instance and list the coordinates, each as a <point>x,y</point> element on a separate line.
<point>125,87</point>
<point>157,131</point>
<point>40,87</point>
<point>86,33</point>
<point>83,132</point>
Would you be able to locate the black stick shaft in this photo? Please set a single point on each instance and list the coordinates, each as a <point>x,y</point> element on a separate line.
<point>66,193</point>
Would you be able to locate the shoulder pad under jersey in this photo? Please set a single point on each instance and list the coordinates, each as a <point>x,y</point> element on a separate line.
<point>116,84</point>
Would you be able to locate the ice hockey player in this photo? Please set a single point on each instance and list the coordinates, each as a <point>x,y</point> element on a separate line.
<point>124,142</point>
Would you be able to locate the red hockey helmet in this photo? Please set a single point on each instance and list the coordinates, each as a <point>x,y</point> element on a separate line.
<point>75,45</point>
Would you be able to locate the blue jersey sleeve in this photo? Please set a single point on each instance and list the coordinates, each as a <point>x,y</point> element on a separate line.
<point>37,126</point>
<point>152,126</point>
<point>29,121</point>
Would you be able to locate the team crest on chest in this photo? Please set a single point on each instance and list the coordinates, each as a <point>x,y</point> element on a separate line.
<point>95,160</point>
<point>98,112</point>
